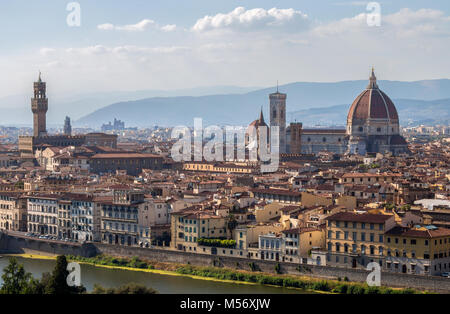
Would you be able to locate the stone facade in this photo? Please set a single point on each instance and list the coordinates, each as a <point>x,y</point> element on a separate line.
<point>39,107</point>
<point>278,116</point>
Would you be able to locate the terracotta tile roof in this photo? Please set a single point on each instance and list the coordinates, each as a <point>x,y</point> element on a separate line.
<point>372,104</point>
<point>276,192</point>
<point>356,217</point>
<point>300,230</point>
<point>324,131</point>
<point>124,155</point>
<point>419,233</point>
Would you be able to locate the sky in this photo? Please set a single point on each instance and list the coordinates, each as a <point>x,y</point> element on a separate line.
<point>179,44</point>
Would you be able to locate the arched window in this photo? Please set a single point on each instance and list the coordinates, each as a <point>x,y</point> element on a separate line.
<point>363,249</point>
<point>338,247</point>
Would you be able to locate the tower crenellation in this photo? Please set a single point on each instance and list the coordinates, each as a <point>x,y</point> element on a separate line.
<point>39,107</point>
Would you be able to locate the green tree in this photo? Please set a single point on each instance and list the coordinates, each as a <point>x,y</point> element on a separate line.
<point>16,280</point>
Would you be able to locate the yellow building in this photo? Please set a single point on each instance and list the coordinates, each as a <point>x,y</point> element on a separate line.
<point>310,200</point>
<point>298,243</point>
<point>189,225</point>
<point>418,250</point>
<point>218,167</point>
<point>356,239</point>
<point>268,212</point>
<point>13,212</point>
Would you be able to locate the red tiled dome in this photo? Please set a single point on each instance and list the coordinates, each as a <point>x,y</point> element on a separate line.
<point>372,103</point>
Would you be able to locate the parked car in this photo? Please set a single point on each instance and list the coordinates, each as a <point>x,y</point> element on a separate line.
<point>446,274</point>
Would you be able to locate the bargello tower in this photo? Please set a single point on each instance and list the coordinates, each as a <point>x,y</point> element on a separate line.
<point>39,107</point>
<point>278,116</point>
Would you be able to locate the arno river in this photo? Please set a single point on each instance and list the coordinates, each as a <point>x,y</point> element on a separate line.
<point>91,275</point>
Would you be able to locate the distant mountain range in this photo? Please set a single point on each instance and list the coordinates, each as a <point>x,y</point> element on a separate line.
<point>310,103</point>
<point>16,109</point>
<point>411,112</point>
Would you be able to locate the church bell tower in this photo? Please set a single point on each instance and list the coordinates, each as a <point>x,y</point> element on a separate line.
<point>278,116</point>
<point>39,107</point>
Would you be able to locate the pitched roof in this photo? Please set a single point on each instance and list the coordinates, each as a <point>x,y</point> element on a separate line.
<point>363,217</point>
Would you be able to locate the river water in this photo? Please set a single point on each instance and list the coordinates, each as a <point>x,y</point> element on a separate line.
<point>91,275</point>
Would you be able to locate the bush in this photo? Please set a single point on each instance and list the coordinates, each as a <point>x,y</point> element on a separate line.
<point>278,268</point>
<point>253,266</point>
<point>217,242</point>
<point>131,288</point>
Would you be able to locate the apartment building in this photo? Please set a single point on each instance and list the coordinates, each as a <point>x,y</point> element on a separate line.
<point>423,250</point>
<point>369,178</point>
<point>154,221</point>
<point>297,243</point>
<point>13,212</point>
<point>43,214</point>
<point>119,216</point>
<point>190,225</point>
<point>82,215</point>
<point>355,239</point>
<point>64,219</point>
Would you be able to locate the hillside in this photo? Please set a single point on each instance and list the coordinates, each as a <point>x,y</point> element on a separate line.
<point>411,112</point>
<point>306,102</point>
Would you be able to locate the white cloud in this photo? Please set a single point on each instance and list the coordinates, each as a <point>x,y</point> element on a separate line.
<point>46,51</point>
<point>138,27</point>
<point>124,50</point>
<point>106,27</point>
<point>90,50</point>
<point>344,25</point>
<point>404,23</point>
<point>169,28</point>
<point>253,19</point>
